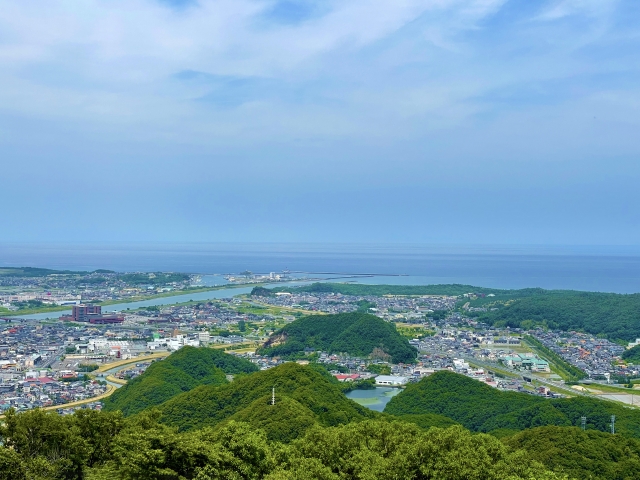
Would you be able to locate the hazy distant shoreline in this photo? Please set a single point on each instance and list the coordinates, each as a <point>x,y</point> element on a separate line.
<point>607,269</point>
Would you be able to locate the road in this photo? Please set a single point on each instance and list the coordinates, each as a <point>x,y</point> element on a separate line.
<point>558,386</point>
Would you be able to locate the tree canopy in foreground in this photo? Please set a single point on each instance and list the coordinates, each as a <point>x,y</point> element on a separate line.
<point>104,446</point>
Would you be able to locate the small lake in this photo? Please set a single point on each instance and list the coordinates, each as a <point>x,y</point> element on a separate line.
<point>375,399</point>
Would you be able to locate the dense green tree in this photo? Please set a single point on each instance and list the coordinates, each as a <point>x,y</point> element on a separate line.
<point>11,466</point>
<point>632,355</point>
<point>98,429</point>
<point>39,446</point>
<point>353,333</point>
<point>612,315</point>
<point>300,390</point>
<point>51,445</point>
<point>581,454</point>
<point>482,408</point>
<point>182,371</point>
<point>375,450</point>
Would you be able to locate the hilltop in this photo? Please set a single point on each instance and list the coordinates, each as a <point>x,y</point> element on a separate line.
<point>180,372</point>
<point>611,314</point>
<point>304,397</point>
<point>482,408</point>
<point>353,333</point>
<point>41,272</point>
<point>580,454</point>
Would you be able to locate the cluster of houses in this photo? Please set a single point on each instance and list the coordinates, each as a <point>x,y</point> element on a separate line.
<point>393,308</point>
<point>70,289</point>
<point>598,357</point>
<point>42,388</point>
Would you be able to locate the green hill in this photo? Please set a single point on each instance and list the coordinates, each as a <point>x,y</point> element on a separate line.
<point>304,397</point>
<point>617,316</point>
<point>181,371</point>
<point>37,272</point>
<point>482,408</point>
<point>614,315</point>
<point>580,454</point>
<point>353,333</point>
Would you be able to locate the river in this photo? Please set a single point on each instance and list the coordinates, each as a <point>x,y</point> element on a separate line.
<point>119,307</point>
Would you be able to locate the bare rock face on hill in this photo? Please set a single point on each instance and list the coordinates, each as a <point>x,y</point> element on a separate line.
<point>276,340</point>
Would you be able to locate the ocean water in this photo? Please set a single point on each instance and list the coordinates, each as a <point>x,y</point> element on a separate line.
<point>606,269</point>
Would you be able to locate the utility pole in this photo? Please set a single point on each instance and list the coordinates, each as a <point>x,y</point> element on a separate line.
<point>583,421</point>
<point>613,424</point>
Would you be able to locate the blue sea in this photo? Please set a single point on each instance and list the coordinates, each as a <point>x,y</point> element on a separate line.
<point>601,268</point>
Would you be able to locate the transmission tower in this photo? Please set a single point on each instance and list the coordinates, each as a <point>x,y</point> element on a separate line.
<point>273,396</point>
<point>583,421</point>
<point>613,424</point>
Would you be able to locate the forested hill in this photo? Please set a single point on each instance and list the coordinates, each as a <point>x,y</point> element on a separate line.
<point>581,454</point>
<point>38,272</point>
<point>615,316</point>
<point>632,355</point>
<point>482,408</point>
<point>304,397</point>
<point>181,371</point>
<point>353,333</point>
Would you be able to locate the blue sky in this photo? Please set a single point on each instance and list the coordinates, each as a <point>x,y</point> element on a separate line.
<point>423,121</point>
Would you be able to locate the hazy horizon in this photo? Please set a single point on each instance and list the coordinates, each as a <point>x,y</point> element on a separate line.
<point>614,269</point>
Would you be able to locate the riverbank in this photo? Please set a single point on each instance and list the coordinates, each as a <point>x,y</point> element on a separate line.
<point>210,293</point>
<point>140,298</point>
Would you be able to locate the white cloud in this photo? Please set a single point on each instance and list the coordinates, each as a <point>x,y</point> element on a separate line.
<point>363,69</point>
<point>564,8</point>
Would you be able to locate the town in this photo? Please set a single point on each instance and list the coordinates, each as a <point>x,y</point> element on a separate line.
<point>40,289</point>
<point>54,363</point>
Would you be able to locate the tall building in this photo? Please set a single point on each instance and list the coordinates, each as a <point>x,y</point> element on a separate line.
<point>81,313</point>
<point>91,314</point>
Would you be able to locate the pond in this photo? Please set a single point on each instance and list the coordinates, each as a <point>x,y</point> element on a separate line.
<point>375,399</point>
